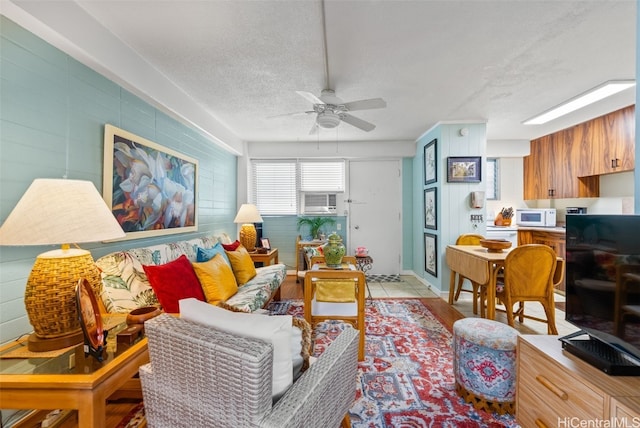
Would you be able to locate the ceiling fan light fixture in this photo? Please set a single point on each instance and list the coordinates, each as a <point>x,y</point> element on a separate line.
<point>328,119</point>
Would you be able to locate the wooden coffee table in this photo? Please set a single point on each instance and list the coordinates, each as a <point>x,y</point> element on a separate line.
<point>71,380</point>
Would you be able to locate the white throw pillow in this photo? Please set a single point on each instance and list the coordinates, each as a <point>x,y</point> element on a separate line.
<point>272,329</point>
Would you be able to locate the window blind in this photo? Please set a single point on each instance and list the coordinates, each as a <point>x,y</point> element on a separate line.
<point>322,176</point>
<point>278,185</point>
<point>493,179</point>
<point>274,187</point>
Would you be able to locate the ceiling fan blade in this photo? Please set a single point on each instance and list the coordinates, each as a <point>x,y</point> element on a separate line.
<point>310,97</point>
<point>299,113</point>
<point>366,104</point>
<point>314,129</point>
<point>357,122</point>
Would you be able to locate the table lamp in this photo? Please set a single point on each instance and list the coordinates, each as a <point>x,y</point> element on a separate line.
<point>247,215</point>
<point>58,212</point>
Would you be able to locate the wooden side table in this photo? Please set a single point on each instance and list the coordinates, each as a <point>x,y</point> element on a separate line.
<point>364,263</point>
<point>268,258</point>
<point>72,380</point>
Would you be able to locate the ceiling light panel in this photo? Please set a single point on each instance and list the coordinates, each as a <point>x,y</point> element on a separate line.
<point>596,94</point>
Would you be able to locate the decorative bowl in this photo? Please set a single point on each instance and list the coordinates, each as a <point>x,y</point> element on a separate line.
<point>140,315</point>
<point>495,245</point>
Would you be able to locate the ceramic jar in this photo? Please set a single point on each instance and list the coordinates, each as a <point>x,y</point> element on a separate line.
<point>334,251</point>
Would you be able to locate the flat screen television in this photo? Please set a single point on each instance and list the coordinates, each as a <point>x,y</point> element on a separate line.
<point>603,291</point>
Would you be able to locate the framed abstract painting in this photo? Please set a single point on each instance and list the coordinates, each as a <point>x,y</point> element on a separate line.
<point>151,190</point>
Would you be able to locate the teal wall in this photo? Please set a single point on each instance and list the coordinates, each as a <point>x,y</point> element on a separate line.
<point>52,115</point>
<point>453,210</point>
<point>418,250</point>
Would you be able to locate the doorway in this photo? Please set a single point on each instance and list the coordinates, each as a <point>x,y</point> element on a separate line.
<point>375,212</point>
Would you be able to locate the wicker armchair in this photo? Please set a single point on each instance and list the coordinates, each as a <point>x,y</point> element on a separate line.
<point>202,377</point>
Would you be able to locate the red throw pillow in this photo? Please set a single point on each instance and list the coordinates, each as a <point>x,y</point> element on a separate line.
<point>173,282</point>
<point>231,247</point>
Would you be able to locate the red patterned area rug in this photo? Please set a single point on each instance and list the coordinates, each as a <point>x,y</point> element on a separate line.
<point>406,379</point>
<point>134,418</point>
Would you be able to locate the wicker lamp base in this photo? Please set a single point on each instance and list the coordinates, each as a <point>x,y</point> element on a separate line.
<point>50,297</point>
<point>248,236</point>
<point>40,344</point>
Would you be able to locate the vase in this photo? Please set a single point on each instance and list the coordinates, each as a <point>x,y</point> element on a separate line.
<point>334,251</point>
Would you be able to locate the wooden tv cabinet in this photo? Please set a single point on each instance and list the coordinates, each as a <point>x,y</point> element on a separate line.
<point>556,389</point>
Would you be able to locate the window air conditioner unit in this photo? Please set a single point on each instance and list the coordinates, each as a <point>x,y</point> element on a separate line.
<point>320,203</point>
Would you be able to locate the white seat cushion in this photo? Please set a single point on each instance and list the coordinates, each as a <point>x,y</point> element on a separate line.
<point>337,309</point>
<point>276,330</point>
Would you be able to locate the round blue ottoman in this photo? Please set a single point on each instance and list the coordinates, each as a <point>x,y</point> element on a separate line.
<point>484,364</point>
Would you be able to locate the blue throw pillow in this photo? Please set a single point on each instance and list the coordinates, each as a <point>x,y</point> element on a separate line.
<point>206,254</point>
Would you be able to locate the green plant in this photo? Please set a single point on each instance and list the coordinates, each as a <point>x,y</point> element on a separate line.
<point>314,224</point>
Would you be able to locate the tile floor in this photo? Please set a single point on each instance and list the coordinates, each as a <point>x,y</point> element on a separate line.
<point>410,286</point>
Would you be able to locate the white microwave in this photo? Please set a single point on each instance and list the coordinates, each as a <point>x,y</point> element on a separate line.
<point>536,217</point>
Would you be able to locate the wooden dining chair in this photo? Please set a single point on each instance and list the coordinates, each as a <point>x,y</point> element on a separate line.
<point>529,275</point>
<point>336,294</point>
<point>627,285</point>
<point>454,294</point>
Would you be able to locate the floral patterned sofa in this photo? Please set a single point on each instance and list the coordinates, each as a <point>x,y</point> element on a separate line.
<point>125,285</point>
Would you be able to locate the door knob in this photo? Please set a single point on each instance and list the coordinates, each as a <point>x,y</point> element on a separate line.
<point>357,227</point>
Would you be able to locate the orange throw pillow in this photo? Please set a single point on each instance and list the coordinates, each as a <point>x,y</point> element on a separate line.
<point>216,278</point>
<point>242,265</point>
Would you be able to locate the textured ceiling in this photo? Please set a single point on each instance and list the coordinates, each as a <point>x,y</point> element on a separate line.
<point>499,61</point>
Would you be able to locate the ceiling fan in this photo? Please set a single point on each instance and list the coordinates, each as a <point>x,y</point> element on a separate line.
<point>331,110</point>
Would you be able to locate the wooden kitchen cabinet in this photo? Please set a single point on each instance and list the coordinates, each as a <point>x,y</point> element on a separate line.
<point>551,238</point>
<point>550,170</point>
<point>568,163</point>
<point>538,170</point>
<point>609,143</point>
<point>554,386</point>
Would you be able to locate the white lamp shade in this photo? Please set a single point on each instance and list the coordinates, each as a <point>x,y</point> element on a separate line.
<point>248,213</point>
<point>60,211</point>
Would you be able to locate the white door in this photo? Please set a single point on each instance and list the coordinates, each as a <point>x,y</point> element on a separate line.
<point>375,204</point>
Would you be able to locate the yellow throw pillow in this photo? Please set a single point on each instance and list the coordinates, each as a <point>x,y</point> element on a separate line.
<point>216,278</point>
<point>242,265</point>
<point>335,291</point>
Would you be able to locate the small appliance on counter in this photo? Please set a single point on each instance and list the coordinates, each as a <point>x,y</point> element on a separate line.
<point>536,217</point>
<point>576,210</point>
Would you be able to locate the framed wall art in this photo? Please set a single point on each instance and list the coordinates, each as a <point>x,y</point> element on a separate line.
<point>431,254</point>
<point>151,190</point>
<point>430,164</point>
<point>464,169</point>
<point>430,209</point>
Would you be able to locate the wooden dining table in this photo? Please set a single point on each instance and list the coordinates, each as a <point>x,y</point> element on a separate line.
<point>478,265</point>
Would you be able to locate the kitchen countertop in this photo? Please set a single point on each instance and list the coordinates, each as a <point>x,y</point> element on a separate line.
<point>557,229</point>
